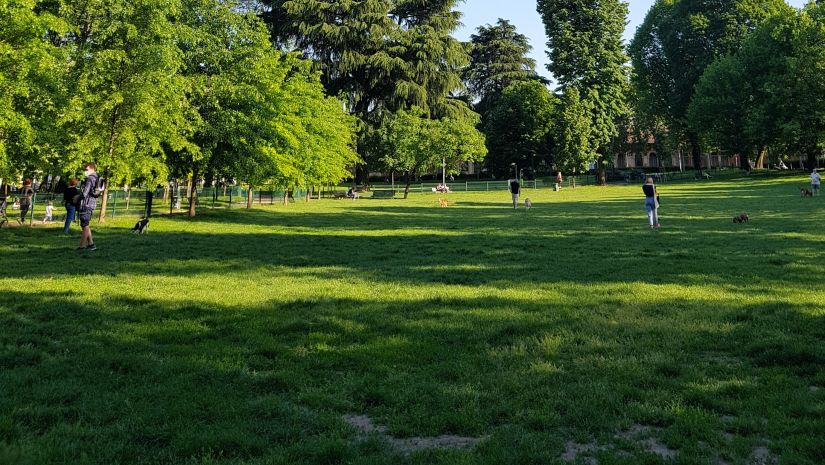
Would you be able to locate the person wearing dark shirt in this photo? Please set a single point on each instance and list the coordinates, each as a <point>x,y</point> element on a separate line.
<point>515,189</point>
<point>26,195</point>
<point>88,202</point>
<point>651,203</point>
<point>68,201</point>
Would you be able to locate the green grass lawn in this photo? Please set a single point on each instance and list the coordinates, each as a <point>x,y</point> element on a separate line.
<point>566,334</point>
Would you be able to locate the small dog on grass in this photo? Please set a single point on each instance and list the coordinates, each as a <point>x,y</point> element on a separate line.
<point>528,203</point>
<point>743,218</point>
<point>806,192</point>
<point>443,203</point>
<point>141,227</point>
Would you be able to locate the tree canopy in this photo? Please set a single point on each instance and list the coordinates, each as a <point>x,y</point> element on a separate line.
<point>498,58</point>
<point>587,55</point>
<point>676,43</point>
<point>520,128</point>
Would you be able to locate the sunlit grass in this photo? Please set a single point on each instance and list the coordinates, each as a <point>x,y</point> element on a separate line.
<point>244,336</point>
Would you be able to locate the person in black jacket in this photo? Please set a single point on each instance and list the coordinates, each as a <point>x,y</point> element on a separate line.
<point>68,201</point>
<point>88,202</point>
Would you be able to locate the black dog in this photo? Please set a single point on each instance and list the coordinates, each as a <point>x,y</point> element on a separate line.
<point>141,227</point>
<point>743,218</point>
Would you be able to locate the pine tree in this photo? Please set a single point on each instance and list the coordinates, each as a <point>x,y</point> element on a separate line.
<point>379,56</point>
<point>498,58</point>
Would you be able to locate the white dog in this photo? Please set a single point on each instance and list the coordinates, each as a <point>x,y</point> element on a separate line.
<point>528,203</point>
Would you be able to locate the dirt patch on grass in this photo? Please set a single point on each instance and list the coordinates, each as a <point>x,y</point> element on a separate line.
<point>366,427</point>
<point>572,451</point>
<point>763,456</point>
<point>641,436</point>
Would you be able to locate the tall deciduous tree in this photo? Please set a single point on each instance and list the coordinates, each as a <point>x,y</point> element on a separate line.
<point>770,93</point>
<point>574,149</point>
<point>32,89</point>
<point>412,143</point>
<point>281,128</point>
<point>129,102</point>
<point>498,58</point>
<point>587,54</point>
<point>520,127</point>
<point>678,40</point>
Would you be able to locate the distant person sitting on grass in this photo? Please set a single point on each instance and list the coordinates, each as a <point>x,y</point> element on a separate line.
<point>816,180</point>
<point>651,203</point>
<point>26,195</point>
<point>86,207</point>
<point>351,194</point>
<point>515,189</point>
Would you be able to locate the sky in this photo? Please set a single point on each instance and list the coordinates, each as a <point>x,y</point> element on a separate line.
<point>523,14</point>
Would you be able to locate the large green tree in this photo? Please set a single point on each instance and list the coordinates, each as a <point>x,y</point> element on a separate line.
<point>498,58</point>
<point>770,93</point>
<point>412,142</point>
<point>32,89</point>
<point>674,46</point>
<point>129,102</point>
<point>520,128</point>
<point>587,54</point>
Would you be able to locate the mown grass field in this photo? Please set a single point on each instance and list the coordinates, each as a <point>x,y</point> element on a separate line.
<point>567,334</point>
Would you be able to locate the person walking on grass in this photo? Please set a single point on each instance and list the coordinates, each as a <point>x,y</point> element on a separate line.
<point>515,189</point>
<point>26,195</point>
<point>88,202</point>
<point>69,202</point>
<point>815,182</point>
<point>651,203</point>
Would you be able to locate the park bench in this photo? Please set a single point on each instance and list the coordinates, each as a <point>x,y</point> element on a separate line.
<point>383,194</point>
<point>340,195</point>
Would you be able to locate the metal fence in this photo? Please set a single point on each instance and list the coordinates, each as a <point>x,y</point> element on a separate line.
<point>164,201</point>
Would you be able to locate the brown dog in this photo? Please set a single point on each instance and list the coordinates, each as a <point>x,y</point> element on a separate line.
<point>444,203</point>
<point>743,218</point>
<point>806,192</point>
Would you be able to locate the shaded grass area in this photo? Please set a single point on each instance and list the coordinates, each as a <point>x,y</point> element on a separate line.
<point>244,336</point>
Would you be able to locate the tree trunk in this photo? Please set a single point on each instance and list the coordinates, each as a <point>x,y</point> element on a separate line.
<point>410,176</point>
<point>695,151</point>
<point>249,197</point>
<point>111,151</point>
<point>193,194</point>
<point>362,175</point>
<point>760,159</point>
<point>744,160</point>
<point>811,159</point>
<point>602,181</point>
<point>320,188</point>
<point>103,204</point>
<point>286,197</point>
<point>309,193</point>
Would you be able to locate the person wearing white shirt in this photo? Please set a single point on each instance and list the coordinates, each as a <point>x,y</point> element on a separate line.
<point>815,182</point>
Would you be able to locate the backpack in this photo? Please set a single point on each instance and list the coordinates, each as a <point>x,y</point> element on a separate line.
<point>100,187</point>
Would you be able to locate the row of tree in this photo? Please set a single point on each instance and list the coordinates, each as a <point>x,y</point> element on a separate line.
<point>153,88</point>
<point>743,77</point>
<point>204,89</point>
<point>740,77</point>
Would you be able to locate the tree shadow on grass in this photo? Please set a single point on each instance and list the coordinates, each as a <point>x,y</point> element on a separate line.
<point>132,380</point>
<point>542,249</point>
